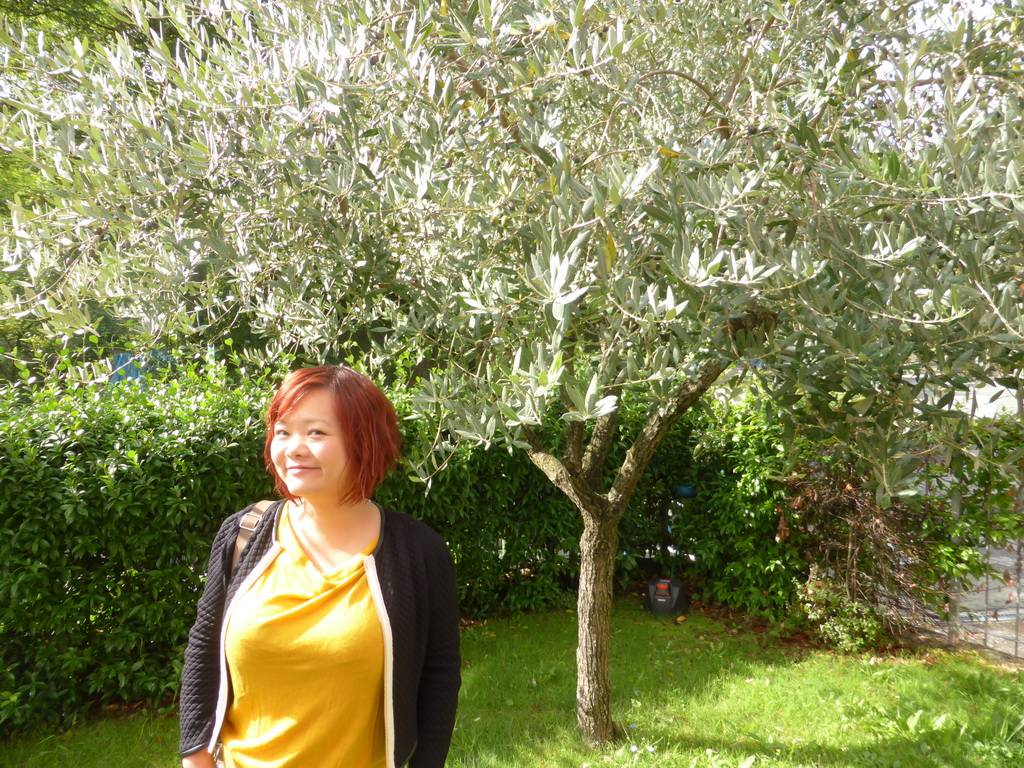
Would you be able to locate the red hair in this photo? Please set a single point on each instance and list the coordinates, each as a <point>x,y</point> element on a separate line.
<point>369,425</point>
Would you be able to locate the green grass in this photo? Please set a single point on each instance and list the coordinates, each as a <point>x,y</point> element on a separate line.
<point>707,693</point>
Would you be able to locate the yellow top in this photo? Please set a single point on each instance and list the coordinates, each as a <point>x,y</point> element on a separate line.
<point>305,653</point>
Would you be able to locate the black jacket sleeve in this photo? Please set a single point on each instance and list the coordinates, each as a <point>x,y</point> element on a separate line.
<point>200,676</point>
<point>440,680</point>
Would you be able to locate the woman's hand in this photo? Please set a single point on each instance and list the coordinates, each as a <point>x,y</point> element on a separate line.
<point>202,759</point>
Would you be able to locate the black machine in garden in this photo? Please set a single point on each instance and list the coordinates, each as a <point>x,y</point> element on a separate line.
<point>668,597</point>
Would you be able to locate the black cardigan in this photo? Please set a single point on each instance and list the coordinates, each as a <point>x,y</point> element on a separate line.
<point>417,580</point>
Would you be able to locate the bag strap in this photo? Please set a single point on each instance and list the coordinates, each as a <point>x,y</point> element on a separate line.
<point>246,526</point>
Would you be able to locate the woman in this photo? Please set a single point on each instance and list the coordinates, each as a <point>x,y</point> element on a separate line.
<point>333,643</point>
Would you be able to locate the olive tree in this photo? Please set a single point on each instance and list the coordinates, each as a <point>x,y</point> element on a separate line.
<point>558,207</point>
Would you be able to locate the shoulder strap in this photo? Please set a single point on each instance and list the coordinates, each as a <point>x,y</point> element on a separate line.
<point>246,526</point>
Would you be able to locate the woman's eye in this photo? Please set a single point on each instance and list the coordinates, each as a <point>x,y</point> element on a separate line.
<point>315,432</point>
<point>280,433</point>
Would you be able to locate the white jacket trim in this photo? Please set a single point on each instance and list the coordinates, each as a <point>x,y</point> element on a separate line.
<point>370,566</point>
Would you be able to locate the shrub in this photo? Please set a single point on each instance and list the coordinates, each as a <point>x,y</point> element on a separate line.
<point>513,536</point>
<point>109,498</point>
<point>909,557</point>
<point>744,554</point>
<point>842,622</point>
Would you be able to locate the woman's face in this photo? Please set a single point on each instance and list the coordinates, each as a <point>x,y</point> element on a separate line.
<point>308,450</point>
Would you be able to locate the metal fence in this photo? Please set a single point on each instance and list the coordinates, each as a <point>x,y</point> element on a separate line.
<point>989,611</point>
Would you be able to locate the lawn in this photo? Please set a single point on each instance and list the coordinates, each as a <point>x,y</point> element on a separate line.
<point>709,692</point>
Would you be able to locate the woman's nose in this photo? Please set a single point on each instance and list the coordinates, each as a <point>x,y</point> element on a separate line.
<point>296,446</point>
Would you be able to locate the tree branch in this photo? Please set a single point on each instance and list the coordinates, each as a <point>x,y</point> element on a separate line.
<point>753,326</point>
<point>588,500</point>
<point>688,78</point>
<point>481,92</point>
<point>574,447</point>
<point>723,122</point>
<point>675,73</point>
<point>574,429</point>
<point>601,440</point>
<point>657,426</point>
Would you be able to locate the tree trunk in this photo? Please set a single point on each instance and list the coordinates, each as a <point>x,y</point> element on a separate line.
<point>593,654</point>
<point>579,477</point>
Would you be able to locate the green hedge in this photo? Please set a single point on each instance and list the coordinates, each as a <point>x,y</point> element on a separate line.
<point>726,537</point>
<point>108,502</point>
<point>732,526</point>
<point>109,498</point>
